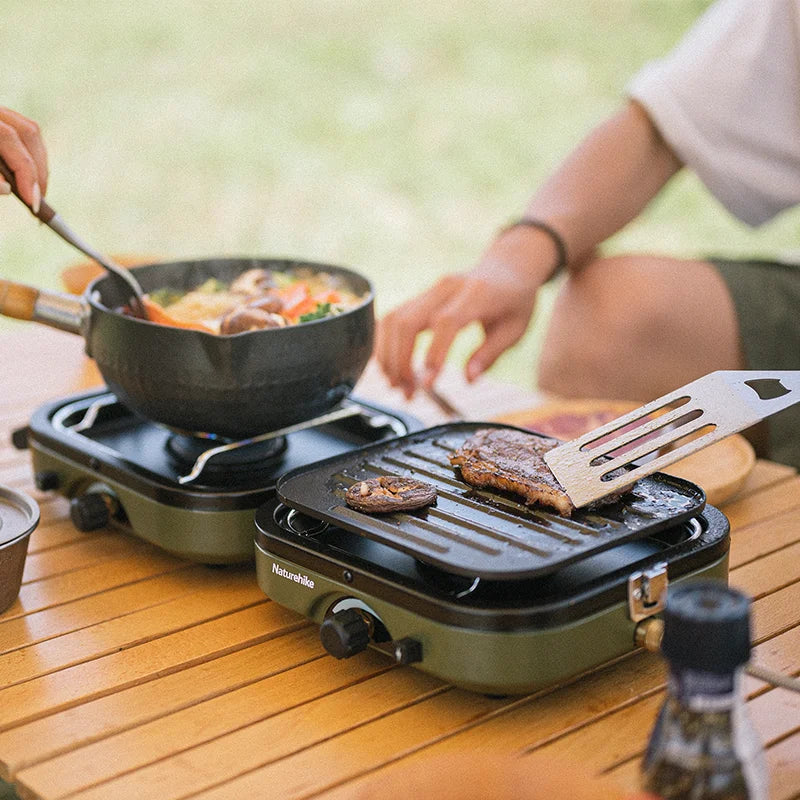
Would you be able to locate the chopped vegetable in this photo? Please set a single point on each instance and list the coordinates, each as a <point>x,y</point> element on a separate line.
<point>212,285</point>
<point>165,297</point>
<point>322,310</point>
<point>155,313</point>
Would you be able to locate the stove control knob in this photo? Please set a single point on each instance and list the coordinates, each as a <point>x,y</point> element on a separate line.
<point>89,512</point>
<point>345,633</point>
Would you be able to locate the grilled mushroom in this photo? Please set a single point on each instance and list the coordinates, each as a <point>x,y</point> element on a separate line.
<point>389,493</point>
<point>253,281</point>
<point>250,319</point>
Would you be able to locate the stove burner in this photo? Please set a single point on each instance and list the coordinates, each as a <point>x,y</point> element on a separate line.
<point>251,457</point>
<point>91,444</point>
<point>304,524</point>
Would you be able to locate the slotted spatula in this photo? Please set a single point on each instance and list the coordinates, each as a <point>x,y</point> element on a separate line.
<point>668,429</point>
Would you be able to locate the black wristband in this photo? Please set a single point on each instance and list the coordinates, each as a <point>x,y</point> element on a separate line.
<point>561,248</point>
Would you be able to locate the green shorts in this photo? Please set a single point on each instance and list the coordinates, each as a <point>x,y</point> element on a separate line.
<point>767,299</point>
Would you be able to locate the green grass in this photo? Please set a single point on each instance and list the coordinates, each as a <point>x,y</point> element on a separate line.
<point>394,137</point>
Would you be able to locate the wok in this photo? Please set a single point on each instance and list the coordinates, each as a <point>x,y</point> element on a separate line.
<point>234,386</point>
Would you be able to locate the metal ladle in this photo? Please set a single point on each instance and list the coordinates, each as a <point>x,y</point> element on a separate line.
<point>48,215</point>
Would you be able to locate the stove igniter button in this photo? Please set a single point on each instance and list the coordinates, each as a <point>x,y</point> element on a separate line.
<point>407,650</point>
<point>46,480</point>
<point>345,633</point>
<point>90,512</point>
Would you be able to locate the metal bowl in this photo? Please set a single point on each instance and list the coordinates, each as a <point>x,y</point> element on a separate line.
<point>19,516</point>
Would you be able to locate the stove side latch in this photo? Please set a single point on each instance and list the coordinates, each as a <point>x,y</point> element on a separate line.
<point>647,592</point>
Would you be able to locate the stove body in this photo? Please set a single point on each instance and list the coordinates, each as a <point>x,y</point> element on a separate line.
<point>509,637</point>
<point>123,471</point>
<point>427,588</point>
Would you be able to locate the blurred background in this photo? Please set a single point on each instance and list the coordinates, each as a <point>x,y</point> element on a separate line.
<point>391,137</point>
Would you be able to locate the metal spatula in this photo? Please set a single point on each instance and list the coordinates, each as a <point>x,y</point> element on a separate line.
<point>668,429</point>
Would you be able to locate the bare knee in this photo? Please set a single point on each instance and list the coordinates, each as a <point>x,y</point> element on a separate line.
<point>634,327</point>
<point>595,311</point>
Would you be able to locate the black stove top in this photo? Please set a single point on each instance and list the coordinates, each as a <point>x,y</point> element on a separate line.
<point>98,432</point>
<point>121,470</point>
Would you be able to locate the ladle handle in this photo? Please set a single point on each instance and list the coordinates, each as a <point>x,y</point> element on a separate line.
<point>53,221</point>
<point>45,212</point>
<point>62,311</point>
<point>17,300</point>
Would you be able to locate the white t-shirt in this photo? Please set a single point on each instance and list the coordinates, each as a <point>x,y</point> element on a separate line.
<point>727,100</point>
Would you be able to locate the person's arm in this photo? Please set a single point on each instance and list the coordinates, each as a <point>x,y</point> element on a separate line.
<point>600,187</point>
<point>23,150</point>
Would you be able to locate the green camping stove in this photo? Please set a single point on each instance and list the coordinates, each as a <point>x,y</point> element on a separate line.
<point>192,497</point>
<point>478,589</point>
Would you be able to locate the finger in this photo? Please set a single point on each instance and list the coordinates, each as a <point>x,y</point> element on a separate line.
<point>498,339</point>
<point>31,137</point>
<point>398,333</point>
<point>384,353</point>
<point>444,333</point>
<point>450,320</point>
<point>21,164</point>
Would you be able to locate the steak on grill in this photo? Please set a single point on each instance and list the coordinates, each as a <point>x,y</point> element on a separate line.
<point>513,461</point>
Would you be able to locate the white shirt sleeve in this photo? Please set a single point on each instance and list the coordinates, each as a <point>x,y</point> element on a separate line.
<point>727,100</point>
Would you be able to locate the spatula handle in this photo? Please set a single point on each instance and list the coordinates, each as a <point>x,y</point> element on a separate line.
<point>765,391</point>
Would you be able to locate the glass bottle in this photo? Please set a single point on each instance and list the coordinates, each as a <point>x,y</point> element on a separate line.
<point>703,746</point>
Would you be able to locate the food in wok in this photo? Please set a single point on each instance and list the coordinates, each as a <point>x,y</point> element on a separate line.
<point>258,298</point>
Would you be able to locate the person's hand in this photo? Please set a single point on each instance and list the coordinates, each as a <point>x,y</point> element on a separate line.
<point>499,294</point>
<point>23,150</point>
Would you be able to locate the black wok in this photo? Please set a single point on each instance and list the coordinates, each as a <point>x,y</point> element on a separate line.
<point>234,386</point>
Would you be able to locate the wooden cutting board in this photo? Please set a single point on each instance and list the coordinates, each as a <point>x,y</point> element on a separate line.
<point>720,469</point>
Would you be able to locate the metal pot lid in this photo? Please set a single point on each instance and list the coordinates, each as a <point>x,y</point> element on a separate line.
<point>19,515</point>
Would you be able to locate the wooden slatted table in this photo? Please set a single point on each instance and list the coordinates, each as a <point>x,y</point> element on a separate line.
<point>128,673</point>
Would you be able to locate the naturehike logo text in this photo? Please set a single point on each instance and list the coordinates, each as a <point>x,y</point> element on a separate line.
<point>292,576</point>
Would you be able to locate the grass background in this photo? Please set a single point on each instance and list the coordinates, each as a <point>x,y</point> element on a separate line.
<point>393,137</point>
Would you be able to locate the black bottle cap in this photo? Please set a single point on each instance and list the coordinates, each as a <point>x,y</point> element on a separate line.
<point>706,627</point>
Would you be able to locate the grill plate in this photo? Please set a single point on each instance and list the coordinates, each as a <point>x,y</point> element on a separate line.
<point>479,532</point>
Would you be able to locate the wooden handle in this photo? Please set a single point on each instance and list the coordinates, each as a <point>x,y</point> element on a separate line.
<point>17,300</point>
<point>45,212</point>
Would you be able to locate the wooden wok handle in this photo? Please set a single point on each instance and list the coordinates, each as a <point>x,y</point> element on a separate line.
<point>45,213</point>
<point>17,300</point>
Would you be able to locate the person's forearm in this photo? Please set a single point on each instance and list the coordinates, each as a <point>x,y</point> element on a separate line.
<point>605,182</point>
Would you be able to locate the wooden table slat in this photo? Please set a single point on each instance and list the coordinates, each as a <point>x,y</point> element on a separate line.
<point>287,731</point>
<point>106,716</point>
<point>225,594</point>
<point>198,724</point>
<point>66,618</point>
<point>77,684</point>
<point>762,538</point>
<point>91,580</point>
<point>765,504</point>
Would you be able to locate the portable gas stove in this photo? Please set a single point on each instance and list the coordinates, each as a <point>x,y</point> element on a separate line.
<point>479,589</point>
<point>190,496</point>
